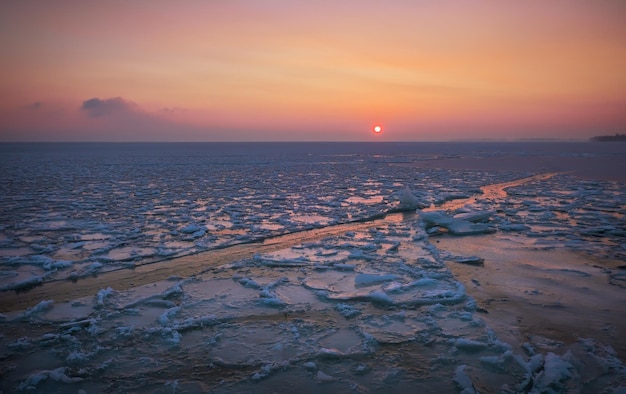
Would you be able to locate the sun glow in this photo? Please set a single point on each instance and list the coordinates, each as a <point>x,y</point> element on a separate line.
<point>378,129</point>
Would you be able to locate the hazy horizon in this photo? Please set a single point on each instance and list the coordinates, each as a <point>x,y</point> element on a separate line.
<point>386,141</point>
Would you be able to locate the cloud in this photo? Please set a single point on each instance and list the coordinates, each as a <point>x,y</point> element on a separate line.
<point>172,109</point>
<point>113,119</point>
<point>119,119</point>
<point>96,107</point>
<point>34,106</point>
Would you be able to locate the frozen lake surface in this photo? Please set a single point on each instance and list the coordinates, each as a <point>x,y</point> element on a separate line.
<point>283,266</point>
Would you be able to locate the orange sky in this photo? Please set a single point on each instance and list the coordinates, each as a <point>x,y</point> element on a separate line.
<point>323,70</point>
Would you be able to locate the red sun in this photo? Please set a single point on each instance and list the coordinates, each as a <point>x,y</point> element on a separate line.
<point>377,129</point>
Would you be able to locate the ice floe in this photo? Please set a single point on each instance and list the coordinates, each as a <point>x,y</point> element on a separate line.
<point>455,225</point>
<point>366,309</point>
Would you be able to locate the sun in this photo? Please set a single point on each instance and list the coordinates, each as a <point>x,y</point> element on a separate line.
<point>378,129</point>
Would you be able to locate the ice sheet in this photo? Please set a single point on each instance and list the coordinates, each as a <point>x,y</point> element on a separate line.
<point>373,308</point>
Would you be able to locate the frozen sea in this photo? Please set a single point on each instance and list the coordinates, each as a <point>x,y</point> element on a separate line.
<point>313,267</point>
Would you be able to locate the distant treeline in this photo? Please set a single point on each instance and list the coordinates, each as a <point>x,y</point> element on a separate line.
<point>603,138</point>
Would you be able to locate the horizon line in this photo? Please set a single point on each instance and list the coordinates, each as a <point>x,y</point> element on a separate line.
<point>295,141</point>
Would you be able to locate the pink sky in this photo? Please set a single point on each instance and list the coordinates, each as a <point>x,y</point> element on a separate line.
<point>306,71</point>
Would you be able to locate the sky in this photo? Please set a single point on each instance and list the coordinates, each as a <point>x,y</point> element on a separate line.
<point>325,70</point>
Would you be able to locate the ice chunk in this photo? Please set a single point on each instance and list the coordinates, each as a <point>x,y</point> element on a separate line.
<point>193,323</point>
<point>173,292</point>
<point>272,301</point>
<point>269,297</point>
<point>173,384</point>
<point>362,280</point>
<point>267,370</point>
<point>380,297</point>
<point>171,336</point>
<point>76,358</point>
<point>469,344</point>
<point>164,319</point>
<point>102,295</point>
<point>436,218</point>
<point>396,287</point>
<point>470,260</point>
<point>195,235</point>
<point>58,375</point>
<point>464,382</point>
<point>358,254</point>
<point>463,227</point>
<point>295,262</point>
<point>555,371</point>
<point>248,282</point>
<point>49,263</point>
<point>495,362</point>
<point>408,201</point>
<point>344,267</point>
<point>347,311</point>
<point>21,344</point>
<point>22,285</point>
<point>91,269</point>
<point>453,225</point>
<point>42,307</point>
<point>192,228</point>
<point>323,377</point>
<point>512,227</point>
<point>475,216</point>
<point>330,352</point>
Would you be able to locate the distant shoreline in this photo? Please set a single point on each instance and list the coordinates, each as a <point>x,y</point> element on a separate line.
<point>609,138</point>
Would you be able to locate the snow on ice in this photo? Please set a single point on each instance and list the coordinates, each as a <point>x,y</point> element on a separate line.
<point>370,309</point>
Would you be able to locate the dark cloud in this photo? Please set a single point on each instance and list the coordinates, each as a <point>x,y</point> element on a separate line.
<point>96,107</point>
<point>34,106</point>
<point>118,119</point>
